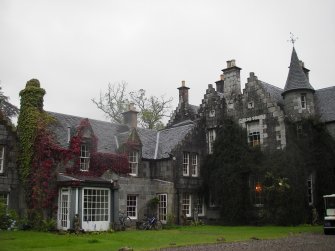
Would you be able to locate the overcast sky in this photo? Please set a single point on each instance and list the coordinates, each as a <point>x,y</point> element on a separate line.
<point>75,48</point>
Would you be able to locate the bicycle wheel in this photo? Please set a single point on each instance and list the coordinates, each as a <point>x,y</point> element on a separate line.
<point>127,222</point>
<point>158,225</point>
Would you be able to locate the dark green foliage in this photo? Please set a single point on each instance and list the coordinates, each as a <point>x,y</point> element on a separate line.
<point>284,174</point>
<point>7,110</point>
<point>226,172</point>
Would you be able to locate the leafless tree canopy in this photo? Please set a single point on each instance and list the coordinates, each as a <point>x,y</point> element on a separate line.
<point>7,109</point>
<point>115,101</point>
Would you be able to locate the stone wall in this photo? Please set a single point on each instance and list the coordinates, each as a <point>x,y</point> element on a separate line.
<point>9,180</point>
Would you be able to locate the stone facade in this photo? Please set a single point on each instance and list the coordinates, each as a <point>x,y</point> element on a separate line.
<point>10,189</point>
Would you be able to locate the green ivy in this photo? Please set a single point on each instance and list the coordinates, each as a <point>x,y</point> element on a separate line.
<point>31,112</point>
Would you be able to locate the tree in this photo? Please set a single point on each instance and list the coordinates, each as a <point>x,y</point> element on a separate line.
<point>7,109</point>
<point>116,100</point>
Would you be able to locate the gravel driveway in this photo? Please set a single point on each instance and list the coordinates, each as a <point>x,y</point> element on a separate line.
<point>296,242</point>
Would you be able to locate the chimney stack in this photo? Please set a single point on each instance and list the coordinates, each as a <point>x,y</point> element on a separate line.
<point>220,84</point>
<point>183,93</point>
<point>130,116</point>
<point>232,83</point>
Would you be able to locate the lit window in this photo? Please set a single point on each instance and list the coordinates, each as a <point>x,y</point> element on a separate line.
<point>132,206</point>
<point>186,205</point>
<point>211,139</point>
<point>2,156</point>
<point>84,158</point>
<point>303,100</point>
<point>133,163</point>
<point>310,185</point>
<point>258,193</point>
<point>194,165</point>
<point>186,163</point>
<point>4,198</point>
<point>254,137</point>
<point>96,204</point>
<point>162,207</point>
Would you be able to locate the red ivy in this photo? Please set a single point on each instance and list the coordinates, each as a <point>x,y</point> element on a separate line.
<point>48,154</point>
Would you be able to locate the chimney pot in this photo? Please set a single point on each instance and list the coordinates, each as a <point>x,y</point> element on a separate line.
<point>183,83</point>
<point>222,77</point>
<point>231,63</point>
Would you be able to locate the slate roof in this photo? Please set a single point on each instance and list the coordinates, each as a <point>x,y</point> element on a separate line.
<point>325,103</point>
<point>171,137</point>
<point>107,134</point>
<point>296,78</point>
<point>274,91</point>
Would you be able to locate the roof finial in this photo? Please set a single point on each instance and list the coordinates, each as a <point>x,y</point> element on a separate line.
<point>292,38</point>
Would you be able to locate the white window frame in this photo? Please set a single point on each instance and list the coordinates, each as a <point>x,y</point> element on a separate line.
<point>186,163</point>
<point>211,139</point>
<point>133,163</point>
<point>194,164</point>
<point>64,209</point>
<point>132,202</point>
<point>186,204</point>
<point>303,101</point>
<point>162,207</point>
<point>2,158</point>
<point>310,188</point>
<point>84,158</point>
<point>5,198</point>
<point>97,210</point>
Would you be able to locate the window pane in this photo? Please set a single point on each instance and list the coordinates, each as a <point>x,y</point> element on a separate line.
<point>132,206</point>
<point>94,209</point>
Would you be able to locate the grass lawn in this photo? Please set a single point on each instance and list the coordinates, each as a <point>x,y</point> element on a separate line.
<point>141,240</point>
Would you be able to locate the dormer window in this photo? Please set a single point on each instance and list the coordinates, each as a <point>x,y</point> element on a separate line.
<point>303,100</point>
<point>84,158</point>
<point>2,157</point>
<point>133,163</point>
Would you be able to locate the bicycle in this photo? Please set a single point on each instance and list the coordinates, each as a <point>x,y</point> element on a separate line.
<point>124,221</point>
<point>151,223</point>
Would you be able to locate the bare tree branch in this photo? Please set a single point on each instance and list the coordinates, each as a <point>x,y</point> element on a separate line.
<point>6,108</point>
<point>151,109</point>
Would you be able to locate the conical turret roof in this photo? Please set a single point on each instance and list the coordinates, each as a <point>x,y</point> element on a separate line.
<point>296,79</point>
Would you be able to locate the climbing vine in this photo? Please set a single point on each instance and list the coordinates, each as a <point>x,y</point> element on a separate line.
<point>41,155</point>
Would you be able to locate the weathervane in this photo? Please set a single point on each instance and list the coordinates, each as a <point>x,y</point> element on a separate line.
<point>292,38</point>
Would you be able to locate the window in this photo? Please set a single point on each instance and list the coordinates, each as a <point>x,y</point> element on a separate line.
<point>186,163</point>
<point>212,200</point>
<point>254,137</point>
<point>211,139</point>
<point>64,208</point>
<point>162,207</point>
<point>133,163</point>
<point>194,171</point>
<point>84,158</point>
<point>132,206</point>
<point>299,129</point>
<point>96,204</point>
<point>251,104</point>
<point>200,207</point>
<point>212,113</point>
<point>2,156</point>
<point>303,100</point>
<point>4,198</point>
<point>310,186</point>
<point>186,204</point>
